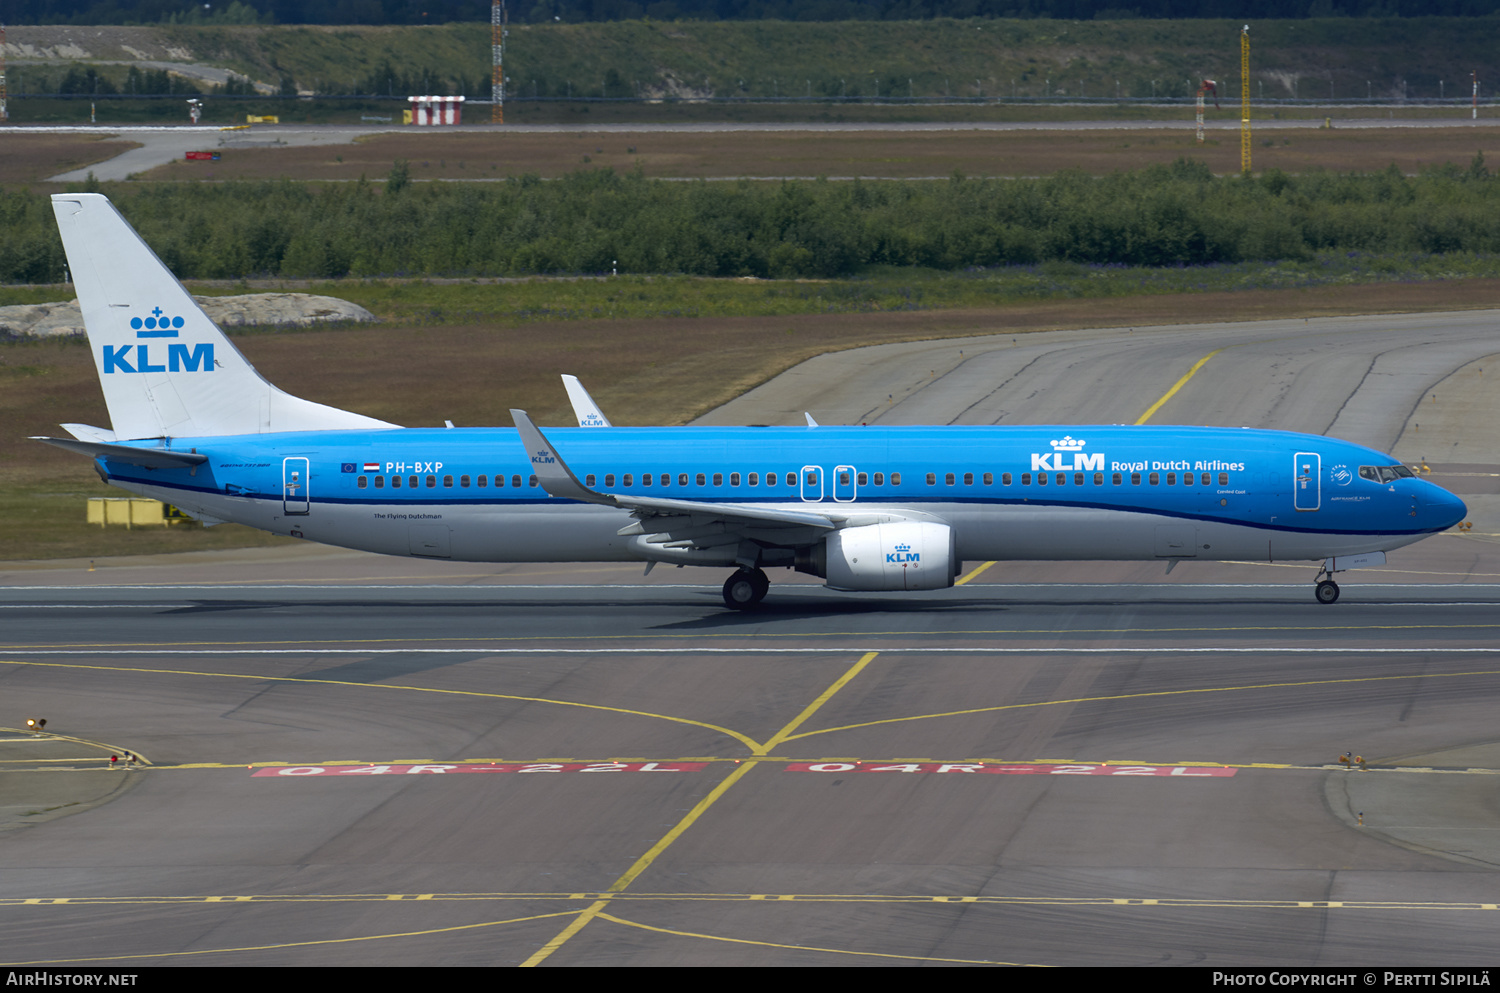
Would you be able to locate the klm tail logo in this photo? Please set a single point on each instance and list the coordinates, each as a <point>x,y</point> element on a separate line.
<point>903,555</point>
<point>137,358</point>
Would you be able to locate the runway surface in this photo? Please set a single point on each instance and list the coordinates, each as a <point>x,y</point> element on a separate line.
<point>357,760</point>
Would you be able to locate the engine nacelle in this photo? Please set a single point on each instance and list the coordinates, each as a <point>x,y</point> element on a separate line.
<point>907,555</point>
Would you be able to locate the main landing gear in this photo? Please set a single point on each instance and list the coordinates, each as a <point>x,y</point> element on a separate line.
<point>745,589</point>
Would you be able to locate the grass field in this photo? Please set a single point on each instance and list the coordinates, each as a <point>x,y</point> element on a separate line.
<point>458,156</point>
<point>470,156</point>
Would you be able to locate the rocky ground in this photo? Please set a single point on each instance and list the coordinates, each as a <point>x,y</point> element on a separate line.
<point>47,320</point>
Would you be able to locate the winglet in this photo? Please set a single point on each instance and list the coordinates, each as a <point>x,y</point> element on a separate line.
<point>810,422</point>
<point>551,471</point>
<point>584,408</point>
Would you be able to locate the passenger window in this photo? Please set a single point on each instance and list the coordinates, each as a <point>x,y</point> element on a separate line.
<point>395,482</point>
<point>989,479</point>
<point>1077,479</point>
<point>1155,479</point>
<point>1135,479</point>
<point>932,479</point>
<point>812,479</point>
<point>484,481</point>
<point>629,480</point>
<point>364,481</point>
<point>431,482</point>
<point>532,481</point>
<point>609,480</point>
<point>895,479</point>
<point>1187,479</point>
<point>463,482</point>
<point>1025,479</point>
<point>791,479</point>
<point>753,479</point>
<point>968,479</point>
<point>1116,479</point>
<point>948,479</point>
<point>770,479</point>
<point>380,482</point>
<point>718,479</point>
<point>880,479</point>
<point>682,479</point>
<point>1098,479</point>
<point>1171,479</point>
<point>516,481</point>
<point>860,480</point>
<point>701,479</point>
<point>666,479</point>
<point>589,480</point>
<point>1005,479</point>
<point>646,479</point>
<point>411,481</point>
<point>1223,479</point>
<point>734,479</point>
<point>843,479</point>
<point>448,482</point>
<point>1041,479</point>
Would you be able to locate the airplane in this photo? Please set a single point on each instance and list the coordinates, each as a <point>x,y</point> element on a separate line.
<point>865,508</point>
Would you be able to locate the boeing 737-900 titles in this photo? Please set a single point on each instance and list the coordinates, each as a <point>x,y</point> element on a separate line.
<point>864,508</point>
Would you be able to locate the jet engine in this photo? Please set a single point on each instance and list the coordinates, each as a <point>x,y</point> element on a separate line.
<point>903,555</point>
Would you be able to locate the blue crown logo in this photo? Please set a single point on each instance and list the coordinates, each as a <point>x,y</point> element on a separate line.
<point>903,548</point>
<point>158,325</point>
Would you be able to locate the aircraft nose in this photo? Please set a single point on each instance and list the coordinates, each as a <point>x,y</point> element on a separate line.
<point>1442,508</point>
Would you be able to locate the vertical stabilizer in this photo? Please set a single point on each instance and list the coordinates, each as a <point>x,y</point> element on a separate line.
<point>166,369</point>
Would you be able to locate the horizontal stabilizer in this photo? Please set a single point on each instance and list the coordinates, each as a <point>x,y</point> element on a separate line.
<point>146,458</point>
<point>87,432</point>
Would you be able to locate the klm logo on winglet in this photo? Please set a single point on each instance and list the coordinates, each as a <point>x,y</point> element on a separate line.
<point>903,554</point>
<point>137,358</point>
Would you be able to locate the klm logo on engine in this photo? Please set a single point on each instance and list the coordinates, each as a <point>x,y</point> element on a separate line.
<point>902,555</point>
<point>1067,455</point>
<point>139,358</point>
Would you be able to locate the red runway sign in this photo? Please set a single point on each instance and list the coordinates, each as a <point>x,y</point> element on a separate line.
<point>1014,770</point>
<point>295,771</point>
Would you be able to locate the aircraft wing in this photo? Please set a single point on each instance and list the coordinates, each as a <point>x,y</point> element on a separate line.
<point>682,523</point>
<point>146,458</point>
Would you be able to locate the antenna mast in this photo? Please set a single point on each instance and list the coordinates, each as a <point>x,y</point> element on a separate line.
<point>1245,100</point>
<point>498,22</point>
<point>4,114</point>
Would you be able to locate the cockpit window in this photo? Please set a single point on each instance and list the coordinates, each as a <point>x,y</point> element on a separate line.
<point>1384,473</point>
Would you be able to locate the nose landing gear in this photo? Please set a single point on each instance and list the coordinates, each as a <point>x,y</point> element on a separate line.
<point>745,589</point>
<point>1327,591</point>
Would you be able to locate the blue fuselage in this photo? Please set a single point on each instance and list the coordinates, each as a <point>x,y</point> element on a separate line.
<point>1093,492</point>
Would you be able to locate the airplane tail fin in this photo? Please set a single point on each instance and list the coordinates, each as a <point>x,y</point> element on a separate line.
<point>166,369</point>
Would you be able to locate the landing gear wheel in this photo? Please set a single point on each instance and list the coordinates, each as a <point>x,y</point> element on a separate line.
<point>1328,591</point>
<point>745,589</point>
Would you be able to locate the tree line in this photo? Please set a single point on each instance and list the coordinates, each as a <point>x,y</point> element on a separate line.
<point>597,220</point>
<point>575,11</point>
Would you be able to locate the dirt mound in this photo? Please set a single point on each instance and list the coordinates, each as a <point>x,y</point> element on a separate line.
<point>47,320</point>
